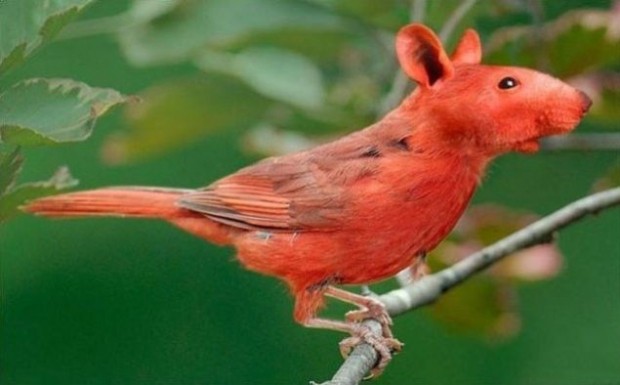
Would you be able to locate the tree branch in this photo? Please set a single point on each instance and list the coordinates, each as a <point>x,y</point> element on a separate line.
<point>401,83</point>
<point>582,142</point>
<point>455,18</point>
<point>418,11</point>
<point>431,287</point>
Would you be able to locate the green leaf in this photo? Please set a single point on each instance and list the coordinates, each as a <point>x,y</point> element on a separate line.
<point>26,24</point>
<point>577,42</point>
<point>282,75</point>
<point>487,304</point>
<point>45,111</point>
<point>324,47</point>
<point>276,73</point>
<point>10,202</point>
<point>10,165</point>
<point>180,112</point>
<point>390,14</point>
<point>267,140</point>
<point>177,32</point>
<point>483,306</point>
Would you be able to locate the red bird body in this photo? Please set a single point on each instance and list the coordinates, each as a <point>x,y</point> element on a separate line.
<point>363,207</point>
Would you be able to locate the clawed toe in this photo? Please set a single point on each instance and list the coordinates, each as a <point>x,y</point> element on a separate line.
<point>369,308</point>
<point>372,309</point>
<point>385,346</point>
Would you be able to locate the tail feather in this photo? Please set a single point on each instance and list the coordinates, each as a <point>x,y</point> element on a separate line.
<point>139,202</point>
<point>145,202</point>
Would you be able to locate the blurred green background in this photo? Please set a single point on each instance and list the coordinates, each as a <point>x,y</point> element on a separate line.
<point>102,301</point>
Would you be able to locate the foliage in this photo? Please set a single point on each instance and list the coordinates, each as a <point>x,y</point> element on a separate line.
<point>64,111</point>
<point>488,304</point>
<point>13,195</point>
<point>27,24</point>
<point>40,111</point>
<point>580,46</point>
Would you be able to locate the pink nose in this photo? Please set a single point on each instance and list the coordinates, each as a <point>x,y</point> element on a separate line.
<point>585,100</point>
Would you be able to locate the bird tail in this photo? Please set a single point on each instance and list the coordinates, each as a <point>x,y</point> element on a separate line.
<point>142,202</point>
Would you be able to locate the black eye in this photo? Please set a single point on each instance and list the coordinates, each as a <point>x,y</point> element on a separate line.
<point>507,83</point>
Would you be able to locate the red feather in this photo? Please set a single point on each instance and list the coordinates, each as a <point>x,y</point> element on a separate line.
<point>364,207</point>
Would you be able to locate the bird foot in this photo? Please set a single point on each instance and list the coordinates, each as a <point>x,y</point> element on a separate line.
<point>369,308</point>
<point>384,346</point>
<point>372,308</point>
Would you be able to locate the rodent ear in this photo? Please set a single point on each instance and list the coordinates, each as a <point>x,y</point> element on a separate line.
<point>421,55</point>
<point>468,50</point>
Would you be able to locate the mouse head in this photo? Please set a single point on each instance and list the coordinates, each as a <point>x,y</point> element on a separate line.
<point>490,109</point>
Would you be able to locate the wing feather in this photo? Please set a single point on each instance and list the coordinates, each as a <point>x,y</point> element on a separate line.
<point>292,193</point>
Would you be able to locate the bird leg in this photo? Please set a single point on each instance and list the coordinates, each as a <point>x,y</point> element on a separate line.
<point>419,268</point>
<point>369,308</point>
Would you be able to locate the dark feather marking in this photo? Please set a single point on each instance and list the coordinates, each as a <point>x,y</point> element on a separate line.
<point>401,144</point>
<point>372,152</point>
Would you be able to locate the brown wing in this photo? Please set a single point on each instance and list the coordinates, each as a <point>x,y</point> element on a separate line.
<point>306,191</point>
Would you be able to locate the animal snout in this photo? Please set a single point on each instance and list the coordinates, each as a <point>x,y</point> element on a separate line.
<point>586,102</point>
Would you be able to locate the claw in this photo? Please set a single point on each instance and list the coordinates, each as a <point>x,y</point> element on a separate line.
<point>369,308</point>
<point>372,309</point>
<point>385,346</point>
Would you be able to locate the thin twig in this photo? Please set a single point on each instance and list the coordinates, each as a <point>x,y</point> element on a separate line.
<point>418,11</point>
<point>100,26</point>
<point>455,18</point>
<point>399,87</point>
<point>358,363</point>
<point>400,82</point>
<point>582,142</point>
<point>431,287</point>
